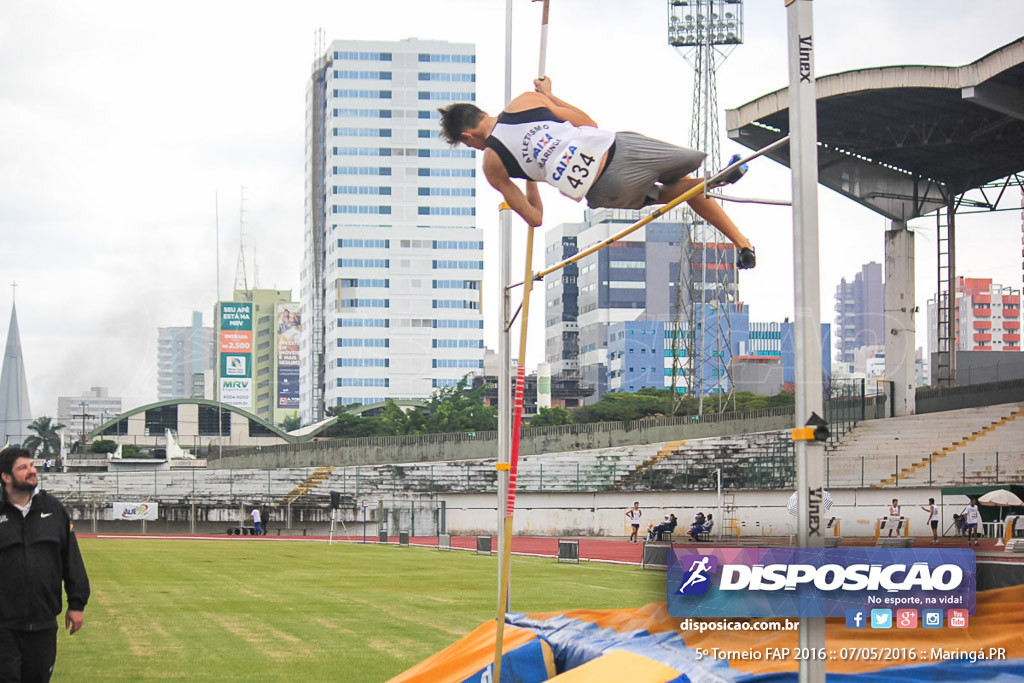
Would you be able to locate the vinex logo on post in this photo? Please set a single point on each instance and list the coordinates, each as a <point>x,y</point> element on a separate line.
<point>851,583</point>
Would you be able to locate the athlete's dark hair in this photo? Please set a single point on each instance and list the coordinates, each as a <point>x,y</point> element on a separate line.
<point>458,118</point>
<point>9,455</point>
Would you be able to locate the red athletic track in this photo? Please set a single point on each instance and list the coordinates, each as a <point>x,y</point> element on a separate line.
<point>593,549</point>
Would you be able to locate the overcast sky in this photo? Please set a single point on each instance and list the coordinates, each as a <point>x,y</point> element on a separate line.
<point>120,122</point>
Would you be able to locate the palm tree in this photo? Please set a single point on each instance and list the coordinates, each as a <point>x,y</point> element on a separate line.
<point>46,438</point>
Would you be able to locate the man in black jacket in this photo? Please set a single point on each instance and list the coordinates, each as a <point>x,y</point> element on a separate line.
<point>38,552</point>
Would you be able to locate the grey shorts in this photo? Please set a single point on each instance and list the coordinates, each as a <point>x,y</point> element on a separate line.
<point>639,166</point>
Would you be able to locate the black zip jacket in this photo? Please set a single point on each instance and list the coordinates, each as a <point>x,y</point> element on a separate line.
<point>37,554</point>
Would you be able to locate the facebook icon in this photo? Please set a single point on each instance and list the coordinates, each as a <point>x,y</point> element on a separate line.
<point>856,618</point>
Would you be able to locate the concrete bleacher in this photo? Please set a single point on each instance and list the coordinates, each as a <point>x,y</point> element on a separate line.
<point>917,435</point>
<point>961,446</point>
<point>744,461</point>
<point>209,486</point>
<point>551,472</point>
<point>937,448</point>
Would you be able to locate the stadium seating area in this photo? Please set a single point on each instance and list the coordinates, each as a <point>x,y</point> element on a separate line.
<point>939,448</point>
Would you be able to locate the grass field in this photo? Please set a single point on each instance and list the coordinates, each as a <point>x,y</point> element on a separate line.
<point>238,610</point>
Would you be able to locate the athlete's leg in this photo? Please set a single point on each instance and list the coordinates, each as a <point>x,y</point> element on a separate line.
<point>708,209</point>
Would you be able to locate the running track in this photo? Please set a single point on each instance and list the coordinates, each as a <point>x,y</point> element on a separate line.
<point>615,550</point>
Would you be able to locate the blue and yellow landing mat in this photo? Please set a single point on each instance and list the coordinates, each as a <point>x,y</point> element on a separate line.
<point>646,645</point>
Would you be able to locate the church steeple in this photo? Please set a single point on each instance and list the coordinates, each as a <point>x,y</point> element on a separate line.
<point>15,413</point>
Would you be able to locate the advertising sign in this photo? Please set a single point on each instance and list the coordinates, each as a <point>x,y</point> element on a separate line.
<point>817,582</point>
<point>544,385</point>
<point>289,326</point>
<point>135,511</point>
<point>236,392</point>
<point>235,354</point>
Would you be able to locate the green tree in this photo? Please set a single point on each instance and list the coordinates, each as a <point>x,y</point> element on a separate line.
<point>291,422</point>
<point>349,426</point>
<point>615,407</point>
<point>458,409</point>
<point>45,443</point>
<point>549,417</point>
<point>393,420</point>
<point>102,446</point>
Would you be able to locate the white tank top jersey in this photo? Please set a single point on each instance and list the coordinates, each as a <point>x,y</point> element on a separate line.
<point>933,515</point>
<point>972,515</point>
<point>537,145</point>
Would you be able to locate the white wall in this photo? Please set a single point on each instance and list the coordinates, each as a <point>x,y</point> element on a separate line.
<point>603,513</point>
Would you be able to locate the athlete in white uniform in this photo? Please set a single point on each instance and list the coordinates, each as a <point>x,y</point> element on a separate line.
<point>541,138</point>
<point>973,516</point>
<point>933,519</point>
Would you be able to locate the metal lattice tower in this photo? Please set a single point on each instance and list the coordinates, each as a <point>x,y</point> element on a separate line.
<point>704,32</point>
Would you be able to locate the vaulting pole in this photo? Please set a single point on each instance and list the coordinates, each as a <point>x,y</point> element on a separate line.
<point>694,191</point>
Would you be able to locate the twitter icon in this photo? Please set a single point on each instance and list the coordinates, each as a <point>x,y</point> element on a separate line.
<point>881,618</point>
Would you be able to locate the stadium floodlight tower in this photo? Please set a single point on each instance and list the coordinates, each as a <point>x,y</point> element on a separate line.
<point>704,32</point>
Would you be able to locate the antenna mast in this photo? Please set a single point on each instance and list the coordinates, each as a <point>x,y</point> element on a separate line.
<point>704,32</point>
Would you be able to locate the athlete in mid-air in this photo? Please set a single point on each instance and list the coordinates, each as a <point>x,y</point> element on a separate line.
<point>542,138</point>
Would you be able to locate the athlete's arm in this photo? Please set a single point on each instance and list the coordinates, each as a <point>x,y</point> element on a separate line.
<point>528,205</point>
<point>560,107</point>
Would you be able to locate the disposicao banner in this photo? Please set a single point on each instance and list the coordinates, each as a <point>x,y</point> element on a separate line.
<point>817,582</point>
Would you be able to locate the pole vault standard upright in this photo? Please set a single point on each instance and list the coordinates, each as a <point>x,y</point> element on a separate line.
<point>508,460</point>
<point>810,455</point>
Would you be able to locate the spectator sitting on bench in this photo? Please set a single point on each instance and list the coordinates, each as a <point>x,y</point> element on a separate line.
<point>666,527</point>
<point>701,525</point>
<point>697,526</point>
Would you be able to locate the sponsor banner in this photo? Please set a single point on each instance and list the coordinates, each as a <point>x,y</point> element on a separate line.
<point>235,365</point>
<point>288,387</point>
<point>236,392</point>
<point>544,385</point>
<point>289,326</point>
<point>236,315</point>
<point>817,582</point>
<point>235,342</point>
<point>133,511</point>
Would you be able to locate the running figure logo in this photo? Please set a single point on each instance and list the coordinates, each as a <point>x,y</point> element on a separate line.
<point>695,578</point>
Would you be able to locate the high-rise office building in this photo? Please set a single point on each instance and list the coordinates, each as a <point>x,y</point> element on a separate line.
<point>183,353</point>
<point>634,279</point>
<point>393,260</point>
<point>860,312</point>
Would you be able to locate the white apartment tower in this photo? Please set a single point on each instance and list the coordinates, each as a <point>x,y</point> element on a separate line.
<point>393,260</point>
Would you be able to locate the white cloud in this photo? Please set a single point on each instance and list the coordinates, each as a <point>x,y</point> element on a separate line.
<point>121,121</point>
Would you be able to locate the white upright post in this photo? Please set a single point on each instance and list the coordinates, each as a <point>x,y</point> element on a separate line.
<point>900,329</point>
<point>504,347</point>
<point>810,455</point>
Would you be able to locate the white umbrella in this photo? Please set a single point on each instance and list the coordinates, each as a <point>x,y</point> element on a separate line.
<point>792,505</point>
<point>1000,497</point>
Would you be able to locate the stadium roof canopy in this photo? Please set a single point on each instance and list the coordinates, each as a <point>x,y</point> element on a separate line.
<point>906,140</point>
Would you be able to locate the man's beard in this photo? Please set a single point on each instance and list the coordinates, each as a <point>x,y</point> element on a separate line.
<point>24,485</point>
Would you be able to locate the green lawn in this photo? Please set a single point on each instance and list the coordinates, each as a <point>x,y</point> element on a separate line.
<point>237,610</point>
